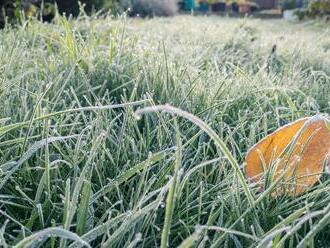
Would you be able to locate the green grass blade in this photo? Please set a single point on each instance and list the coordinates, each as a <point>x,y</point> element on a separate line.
<point>40,237</point>
<point>206,128</point>
<point>29,153</point>
<point>171,197</point>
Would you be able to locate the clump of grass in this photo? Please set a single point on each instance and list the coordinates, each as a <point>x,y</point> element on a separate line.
<point>77,168</point>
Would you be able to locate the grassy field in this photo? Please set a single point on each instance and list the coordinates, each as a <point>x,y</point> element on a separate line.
<point>79,167</point>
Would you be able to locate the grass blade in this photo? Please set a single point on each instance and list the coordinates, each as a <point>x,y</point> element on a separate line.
<point>36,239</point>
<point>170,201</point>
<point>29,153</point>
<point>206,128</point>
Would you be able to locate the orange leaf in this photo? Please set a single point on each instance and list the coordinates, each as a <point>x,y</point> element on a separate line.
<point>296,152</point>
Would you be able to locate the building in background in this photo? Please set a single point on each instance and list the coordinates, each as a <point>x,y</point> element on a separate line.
<point>191,4</point>
<point>272,4</point>
<point>220,5</point>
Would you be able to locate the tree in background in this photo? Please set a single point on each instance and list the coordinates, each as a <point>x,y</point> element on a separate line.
<point>12,9</point>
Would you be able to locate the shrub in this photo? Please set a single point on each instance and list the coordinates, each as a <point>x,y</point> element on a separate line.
<point>316,8</point>
<point>319,8</point>
<point>11,9</point>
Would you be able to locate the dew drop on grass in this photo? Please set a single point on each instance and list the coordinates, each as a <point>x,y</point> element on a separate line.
<point>198,228</point>
<point>181,172</point>
<point>138,236</point>
<point>137,116</point>
<point>326,170</point>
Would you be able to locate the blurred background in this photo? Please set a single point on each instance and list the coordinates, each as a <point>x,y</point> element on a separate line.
<point>12,10</point>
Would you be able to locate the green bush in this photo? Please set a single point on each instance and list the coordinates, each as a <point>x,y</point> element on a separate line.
<point>12,9</point>
<point>316,8</point>
<point>319,8</point>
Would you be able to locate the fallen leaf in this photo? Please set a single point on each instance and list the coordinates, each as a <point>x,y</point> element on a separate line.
<point>296,152</point>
